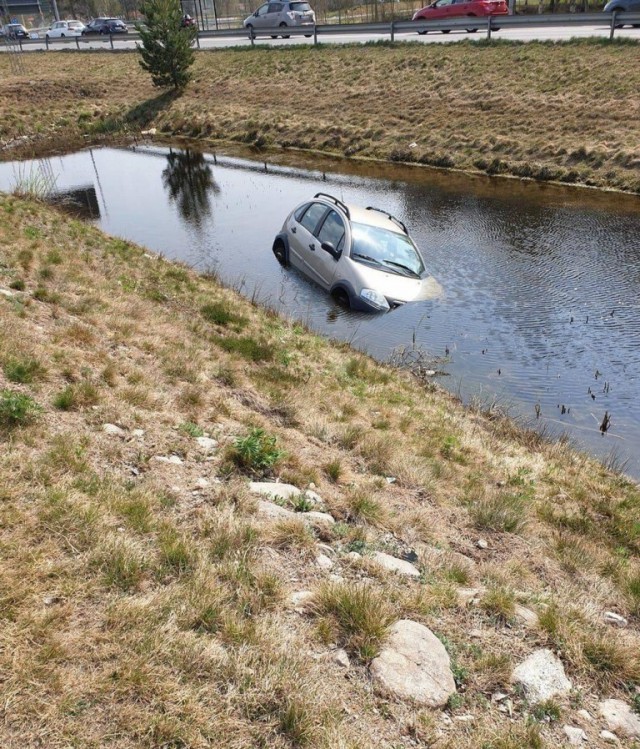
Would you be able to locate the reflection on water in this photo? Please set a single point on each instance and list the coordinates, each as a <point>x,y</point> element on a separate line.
<point>539,309</point>
<point>189,180</point>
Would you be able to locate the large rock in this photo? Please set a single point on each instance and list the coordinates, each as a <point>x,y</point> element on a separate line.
<point>393,564</point>
<point>541,676</point>
<point>414,665</point>
<point>620,718</point>
<point>271,511</point>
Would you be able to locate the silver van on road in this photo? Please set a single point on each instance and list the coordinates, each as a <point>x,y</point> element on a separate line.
<point>364,257</point>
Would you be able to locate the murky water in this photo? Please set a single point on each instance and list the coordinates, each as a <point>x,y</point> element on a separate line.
<point>540,312</point>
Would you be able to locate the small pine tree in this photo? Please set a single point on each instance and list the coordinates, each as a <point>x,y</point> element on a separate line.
<point>166,49</point>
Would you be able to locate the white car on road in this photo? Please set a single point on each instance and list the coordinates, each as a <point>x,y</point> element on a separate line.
<point>61,29</point>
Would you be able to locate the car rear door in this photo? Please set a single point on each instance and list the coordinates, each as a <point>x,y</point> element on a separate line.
<point>303,244</point>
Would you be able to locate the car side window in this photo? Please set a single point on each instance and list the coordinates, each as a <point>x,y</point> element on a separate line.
<point>275,7</point>
<point>312,216</point>
<point>262,10</point>
<point>332,230</point>
<point>300,212</point>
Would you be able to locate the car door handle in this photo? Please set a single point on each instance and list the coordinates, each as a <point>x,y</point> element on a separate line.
<point>312,247</point>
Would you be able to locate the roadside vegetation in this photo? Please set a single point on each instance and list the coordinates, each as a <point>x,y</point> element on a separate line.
<point>148,600</point>
<point>567,112</point>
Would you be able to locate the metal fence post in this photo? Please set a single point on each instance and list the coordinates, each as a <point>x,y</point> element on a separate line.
<point>46,42</point>
<point>488,27</point>
<point>252,36</point>
<point>198,39</point>
<point>315,34</point>
<point>613,25</point>
<point>111,40</point>
<point>77,43</point>
<point>392,31</point>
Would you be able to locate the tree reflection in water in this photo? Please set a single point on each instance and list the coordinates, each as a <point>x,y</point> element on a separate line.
<point>189,180</point>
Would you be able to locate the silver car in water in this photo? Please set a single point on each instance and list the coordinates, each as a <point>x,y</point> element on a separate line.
<point>364,257</point>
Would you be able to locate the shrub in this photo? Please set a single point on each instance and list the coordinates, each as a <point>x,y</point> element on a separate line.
<point>502,512</point>
<point>220,314</point>
<point>358,613</point>
<point>256,453</point>
<point>23,371</point>
<point>16,408</point>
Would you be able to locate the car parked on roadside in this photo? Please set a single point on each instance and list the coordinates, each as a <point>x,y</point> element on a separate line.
<point>274,15</point>
<point>60,29</point>
<point>621,7</point>
<point>105,26</point>
<point>14,31</point>
<point>364,257</point>
<point>442,9</point>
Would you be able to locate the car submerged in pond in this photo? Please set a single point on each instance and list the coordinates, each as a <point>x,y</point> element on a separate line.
<point>364,257</point>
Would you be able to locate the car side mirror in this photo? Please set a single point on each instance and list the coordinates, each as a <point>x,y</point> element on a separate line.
<point>328,247</point>
<point>256,14</point>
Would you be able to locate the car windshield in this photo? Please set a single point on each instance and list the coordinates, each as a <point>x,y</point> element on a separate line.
<point>300,7</point>
<point>378,246</point>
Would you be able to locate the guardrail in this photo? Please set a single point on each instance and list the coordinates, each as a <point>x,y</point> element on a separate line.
<point>486,24</point>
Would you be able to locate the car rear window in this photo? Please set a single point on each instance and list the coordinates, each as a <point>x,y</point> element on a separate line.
<point>300,7</point>
<point>75,25</point>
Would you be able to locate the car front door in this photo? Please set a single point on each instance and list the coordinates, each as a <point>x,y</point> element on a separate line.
<point>260,19</point>
<point>442,9</point>
<point>323,263</point>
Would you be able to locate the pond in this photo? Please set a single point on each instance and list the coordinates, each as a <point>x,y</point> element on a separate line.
<point>539,311</point>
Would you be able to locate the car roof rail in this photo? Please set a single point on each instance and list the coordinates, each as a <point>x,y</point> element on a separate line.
<point>339,203</point>
<point>390,216</point>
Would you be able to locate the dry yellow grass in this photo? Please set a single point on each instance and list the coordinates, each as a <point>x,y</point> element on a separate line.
<point>567,111</point>
<point>146,603</point>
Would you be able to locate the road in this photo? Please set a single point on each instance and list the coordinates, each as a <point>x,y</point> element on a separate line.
<point>552,33</point>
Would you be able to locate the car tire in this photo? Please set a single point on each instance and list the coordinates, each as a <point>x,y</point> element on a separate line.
<point>472,30</point>
<point>446,31</point>
<point>342,298</point>
<point>62,36</point>
<point>422,33</point>
<point>307,36</point>
<point>284,26</point>
<point>280,251</point>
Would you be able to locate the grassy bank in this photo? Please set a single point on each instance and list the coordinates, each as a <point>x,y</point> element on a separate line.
<point>567,112</point>
<point>145,594</point>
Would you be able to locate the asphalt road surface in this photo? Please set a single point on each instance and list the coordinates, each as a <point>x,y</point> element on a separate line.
<point>553,33</point>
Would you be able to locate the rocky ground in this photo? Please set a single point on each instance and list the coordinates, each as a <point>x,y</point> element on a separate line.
<point>218,530</point>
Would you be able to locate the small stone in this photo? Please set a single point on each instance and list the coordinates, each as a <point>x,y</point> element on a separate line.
<point>611,738</point>
<point>620,718</point>
<point>173,459</point>
<point>317,517</point>
<point>353,556</point>
<point>469,595</point>
<point>542,676</point>
<point>138,433</point>
<point>392,564</point>
<point>527,617</point>
<point>207,444</point>
<point>586,715</point>
<point>465,718</point>
<point>574,735</point>
<point>499,696</point>
<point>51,600</point>
<point>275,490</point>
<point>7,293</point>
<point>202,483</point>
<point>340,658</point>
<point>476,634</point>
<point>614,619</point>
<point>272,511</point>
<point>113,430</point>
<point>299,599</point>
<point>482,544</point>
<point>336,578</point>
<point>323,561</point>
<point>390,479</point>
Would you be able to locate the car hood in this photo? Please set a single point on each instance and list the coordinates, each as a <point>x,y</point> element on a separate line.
<point>399,288</point>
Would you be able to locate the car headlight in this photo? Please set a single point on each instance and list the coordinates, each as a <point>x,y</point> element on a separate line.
<point>375,298</point>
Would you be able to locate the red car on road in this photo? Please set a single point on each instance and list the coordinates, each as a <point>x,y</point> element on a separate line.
<point>442,9</point>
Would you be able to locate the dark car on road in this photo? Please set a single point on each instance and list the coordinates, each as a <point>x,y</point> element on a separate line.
<point>621,7</point>
<point>14,31</point>
<point>105,26</point>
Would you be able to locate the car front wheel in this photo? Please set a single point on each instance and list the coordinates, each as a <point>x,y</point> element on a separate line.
<point>284,26</point>
<point>341,298</point>
<point>446,31</point>
<point>472,30</point>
